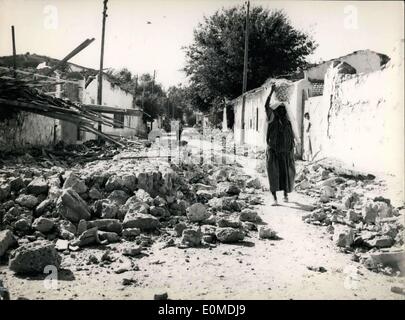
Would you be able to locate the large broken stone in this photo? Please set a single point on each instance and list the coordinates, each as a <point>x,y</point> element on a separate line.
<point>108,210</point>
<point>267,233</point>
<point>27,200</point>
<point>75,183</point>
<point>191,237</point>
<point>229,235</point>
<point>110,237</point>
<point>33,257</point>
<point>37,186</point>
<point>142,221</point>
<point>17,184</point>
<point>343,237</point>
<point>380,242</point>
<point>7,241</point>
<point>253,183</point>
<point>370,212</point>
<point>249,215</point>
<point>4,191</point>
<point>119,197</point>
<point>88,237</point>
<point>197,212</point>
<point>226,188</point>
<point>228,223</point>
<point>43,225</point>
<point>72,207</point>
<point>114,183</point>
<point>110,225</point>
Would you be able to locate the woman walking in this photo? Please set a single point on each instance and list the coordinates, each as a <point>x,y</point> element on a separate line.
<point>280,149</point>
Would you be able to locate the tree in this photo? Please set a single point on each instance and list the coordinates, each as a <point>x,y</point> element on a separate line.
<point>215,58</point>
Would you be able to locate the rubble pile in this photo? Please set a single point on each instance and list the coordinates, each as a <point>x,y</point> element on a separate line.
<point>48,213</point>
<point>359,219</point>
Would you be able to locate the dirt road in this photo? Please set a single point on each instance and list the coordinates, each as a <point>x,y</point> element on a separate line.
<point>254,269</point>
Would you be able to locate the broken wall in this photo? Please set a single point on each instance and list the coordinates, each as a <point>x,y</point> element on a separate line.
<point>359,120</point>
<point>24,129</point>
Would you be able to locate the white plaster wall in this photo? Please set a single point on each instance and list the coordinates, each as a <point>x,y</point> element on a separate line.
<point>26,130</point>
<point>365,128</point>
<point>363,61</point>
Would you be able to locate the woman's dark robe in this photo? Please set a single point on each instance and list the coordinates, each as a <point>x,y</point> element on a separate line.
<point>280,155</point>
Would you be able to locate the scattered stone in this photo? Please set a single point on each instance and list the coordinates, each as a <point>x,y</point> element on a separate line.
<point>95,194</point>
<point>343,237</point>
<point>139,220</point>
<point>253,183</point>
<point>179,227</point>
<point>380,242</point>
<point>27,200</point>
<point>267,233</point>
<point>109,225</point>
<point>191,237</point>
<point>118,197</point>
<point>108,210</point>
<point>132,251</point>
<point>37,186</point>
<point>7,241</point>
<point>43,206</point>
<point>226,188</point>
<point>249,215</point>
<point>229,235</point>
<point>43,225</point>
<point>161,296</point>
<point>317,269</point>
<point>74,182</point>
<point>228,223</point>
<point>88,237</point>
<point>131,233</point>
<point>72,207</point>
<point>110,237</point>
<point>33,257</point>
<point>197,212</point>
<point>62,245</point>
<point>17,184</point>
<point>370,212</point>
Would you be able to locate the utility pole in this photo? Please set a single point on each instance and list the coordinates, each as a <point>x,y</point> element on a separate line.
<point>14,52</point>
<point>245,70</point>
<point>135,88</point>
<point>245,60</point>
<point>100,74</point>
<point>153,81</point>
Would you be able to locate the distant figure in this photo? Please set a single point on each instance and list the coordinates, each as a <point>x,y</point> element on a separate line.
<point>307,138</point>
<point>180,130</point>
<point>280,149</point>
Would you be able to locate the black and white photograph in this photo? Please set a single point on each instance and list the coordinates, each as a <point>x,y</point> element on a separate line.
<point>201,150</point>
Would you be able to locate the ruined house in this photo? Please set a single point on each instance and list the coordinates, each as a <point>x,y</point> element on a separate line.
<point>24,129</point>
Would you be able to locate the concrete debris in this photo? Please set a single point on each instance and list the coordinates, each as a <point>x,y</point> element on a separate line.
<point>7,241</point>
<point>72,207</point>
<point>191,237</point>
<point>267,233</point>
<point>197,212</point>
<point>229,235</point>
<point>43,225</point>
<point>351,211</point>
<point>33,257</point>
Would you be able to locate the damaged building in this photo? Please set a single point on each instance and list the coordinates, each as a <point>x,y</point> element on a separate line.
<point>78,84</point>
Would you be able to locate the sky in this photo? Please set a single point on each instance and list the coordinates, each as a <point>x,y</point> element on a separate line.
<point>149,35</point>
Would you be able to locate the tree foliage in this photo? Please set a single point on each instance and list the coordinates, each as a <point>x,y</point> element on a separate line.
<point>215,58</point>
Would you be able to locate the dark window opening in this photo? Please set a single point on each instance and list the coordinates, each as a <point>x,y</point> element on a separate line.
<point>118,121</point>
